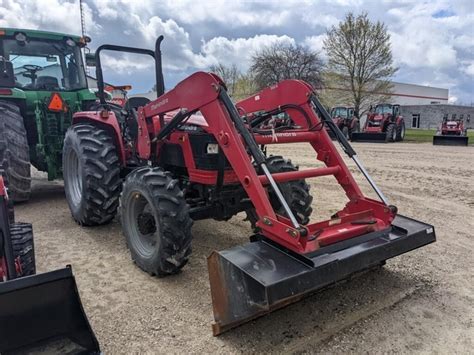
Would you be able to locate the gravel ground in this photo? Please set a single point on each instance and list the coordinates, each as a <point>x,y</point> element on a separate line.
<point>422,301</point>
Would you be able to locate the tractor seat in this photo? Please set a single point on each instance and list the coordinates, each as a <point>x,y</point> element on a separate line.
<point>137,101</point>
<point>47,83</point>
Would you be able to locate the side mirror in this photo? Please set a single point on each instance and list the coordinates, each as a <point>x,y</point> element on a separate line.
<point>90,59</point>
<point>7,76</point>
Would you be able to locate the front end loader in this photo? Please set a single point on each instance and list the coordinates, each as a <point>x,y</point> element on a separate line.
<point>383,124</point>
<point>451,132</point>
<point>345,119</point>
<point>37,312</point>
<point>193,154</point>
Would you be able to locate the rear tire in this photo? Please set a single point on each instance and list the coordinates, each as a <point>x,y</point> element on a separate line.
<point>91,171</point>
<point>401,131</point>
<point>391,133</point>
<point>155,221</point>
<point>14,153</point>
<point>296,193</point>
<point>23,247</point>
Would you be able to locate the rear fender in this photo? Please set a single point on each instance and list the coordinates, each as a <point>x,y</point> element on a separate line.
<point>108,123</point>
<point>399,120</point>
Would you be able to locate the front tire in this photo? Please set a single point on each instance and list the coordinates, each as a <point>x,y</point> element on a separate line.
<point>401,131</point>
<point>391,133</point>
<point>91,171</point>
<point>155,221</point>
<point>14,153</point>
<point>23,247</point>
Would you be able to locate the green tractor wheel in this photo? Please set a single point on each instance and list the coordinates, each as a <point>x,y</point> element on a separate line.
<point>14,152</point>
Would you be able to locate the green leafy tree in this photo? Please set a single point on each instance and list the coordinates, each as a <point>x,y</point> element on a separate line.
<point>360,62</point>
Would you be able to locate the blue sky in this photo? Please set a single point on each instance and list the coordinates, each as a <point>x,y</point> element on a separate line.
<point>432,41</point>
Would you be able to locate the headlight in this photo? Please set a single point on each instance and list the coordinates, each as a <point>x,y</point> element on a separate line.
<point>212,148</point>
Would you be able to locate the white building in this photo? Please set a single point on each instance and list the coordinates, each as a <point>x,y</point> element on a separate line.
<point>410,94</point>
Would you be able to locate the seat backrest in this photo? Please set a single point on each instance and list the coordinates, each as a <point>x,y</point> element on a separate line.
<point>136,102</point>
<point>47,83</point>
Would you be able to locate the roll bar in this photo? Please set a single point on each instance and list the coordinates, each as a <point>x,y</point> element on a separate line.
<point>160,85</point>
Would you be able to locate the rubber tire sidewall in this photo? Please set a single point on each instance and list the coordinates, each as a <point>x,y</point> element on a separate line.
<point>390,133</point>
<point>93,208</point>
<point>157,264</point>
<point>70,143</point>
<point>17,117</point>
<point>401,131</point>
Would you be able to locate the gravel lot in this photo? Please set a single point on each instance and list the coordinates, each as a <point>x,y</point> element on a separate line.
<point>422,301</point>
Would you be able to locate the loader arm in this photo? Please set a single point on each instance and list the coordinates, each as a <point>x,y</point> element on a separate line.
<point>206,93</point>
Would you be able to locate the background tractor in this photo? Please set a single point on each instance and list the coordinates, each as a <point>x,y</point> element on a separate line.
<point>383,124</point>
<point>193,154</point>
<point>345,119</point>
<point>451,132</point>
<point>42,84</point>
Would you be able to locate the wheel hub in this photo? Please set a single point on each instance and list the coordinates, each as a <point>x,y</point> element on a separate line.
<point>146,223</point>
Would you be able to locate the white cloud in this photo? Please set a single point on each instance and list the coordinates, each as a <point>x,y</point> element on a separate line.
<point>49,15</point>
<point>316,43</point>
<point>452,99</point>
<point>239,51</point>
<point>469,68</point>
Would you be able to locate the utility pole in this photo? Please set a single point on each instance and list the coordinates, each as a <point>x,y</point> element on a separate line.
<point>83,30</point>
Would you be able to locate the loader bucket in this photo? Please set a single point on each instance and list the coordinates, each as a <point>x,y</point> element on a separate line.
<point>43,313</point>
<point>450,140</point>
<point>254,279</point>
<point>368,137</point>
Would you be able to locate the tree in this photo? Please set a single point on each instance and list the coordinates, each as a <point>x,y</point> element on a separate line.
<point>281,61</point>
<point>244,87</point>
<point>360,60</point>
<point>230,75</point>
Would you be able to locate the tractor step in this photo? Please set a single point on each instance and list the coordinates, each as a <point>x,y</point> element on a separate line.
<point>450,140</point>
<point>368,137</point>
<point>254,279</point>
<point>43,313</point>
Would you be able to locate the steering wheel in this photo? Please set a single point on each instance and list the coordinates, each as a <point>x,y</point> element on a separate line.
<point>32,67</point>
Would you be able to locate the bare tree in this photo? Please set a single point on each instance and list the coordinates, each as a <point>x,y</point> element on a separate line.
<point>360,60</point>
<point>230,75</point>
<point>281,61</point>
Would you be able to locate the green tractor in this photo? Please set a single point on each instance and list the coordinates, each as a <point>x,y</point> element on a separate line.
<point>42,84</point>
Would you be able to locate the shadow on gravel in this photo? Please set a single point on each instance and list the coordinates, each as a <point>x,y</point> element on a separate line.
<point>324,313</point>
<point>43,190</point>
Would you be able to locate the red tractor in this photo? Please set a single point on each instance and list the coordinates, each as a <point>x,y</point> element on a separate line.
<point>36,311</point>
<point>383,124</point>
<point>193,154</point>
<point>451,132</point>
<point>344,118</point>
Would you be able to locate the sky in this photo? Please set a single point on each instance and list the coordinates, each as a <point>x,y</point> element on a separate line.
<point>432,41</point>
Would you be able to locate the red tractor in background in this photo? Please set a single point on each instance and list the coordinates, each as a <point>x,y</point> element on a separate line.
<point>193,154</point>
<point>451,132</point>
<point>383,124</point>
<point>345,119</point>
